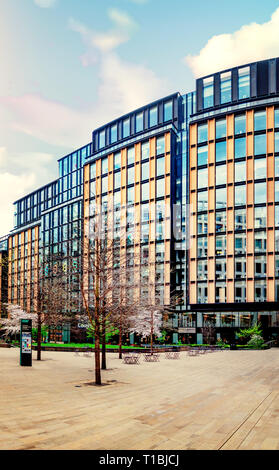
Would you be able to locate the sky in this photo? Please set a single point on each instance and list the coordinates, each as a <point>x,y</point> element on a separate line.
<point>69,66</point>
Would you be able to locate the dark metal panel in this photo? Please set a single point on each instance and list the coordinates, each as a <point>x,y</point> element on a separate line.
<point>199,85</point>
<point>145,118</point>
<point>119,130</point>
<point>160,113</point>
<point>133,124</point>
<point>107,131</point>
<point>272,76</point>
<point>217,91</point>
<point>277,75</point>
<point>253,80</point>
<point>262,78</point>
<point>175,108</point>
<point>234,84</point>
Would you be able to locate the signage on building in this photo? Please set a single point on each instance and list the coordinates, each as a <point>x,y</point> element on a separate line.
<point>187,330</point>
<point>26,342</point>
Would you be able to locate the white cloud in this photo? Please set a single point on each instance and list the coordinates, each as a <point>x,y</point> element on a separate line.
<point>44,3</point>
<point>21,173</point>
<point>250,43</point>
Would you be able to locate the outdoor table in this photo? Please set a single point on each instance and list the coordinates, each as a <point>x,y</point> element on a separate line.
<point>131,359</point>
<point>148,357</point>
<point>193,352</point>
<point>172,355</point>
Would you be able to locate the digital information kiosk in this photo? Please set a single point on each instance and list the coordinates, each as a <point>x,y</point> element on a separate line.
<point>26,342</point>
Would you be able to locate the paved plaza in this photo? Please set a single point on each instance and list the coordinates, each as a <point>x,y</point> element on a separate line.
<point>221,400</point>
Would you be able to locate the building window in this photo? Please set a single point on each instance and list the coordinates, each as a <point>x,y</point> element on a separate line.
<point>260,217</point>
<point>144,212</point>
<point>208,92</point>
<point>276,118</point>
<point>221,151</point>
<point>221,128</point>
<point>144,150</point>
<point>160,145</point>
<point>260,193</point>
<point>202,201</point>
<point>117,161</point>
<point>226,87</point>
<point>130,155</point>
<point>160,166</point>
<point>139,122</point>
<point>240,219</point>
<point>221,174</point>
<point>117,180</point>
<point>259,168</point>
<point>260,144</point>
<point>202,133</point>
<point>240,147</point>
<point>93,171</point>
<point>259,121</point>
<point>168,111</point>
<point>102,139</point>
<point>145,171</point>
<point>243,83</point>
<point>131,175</point>
<point>113,134</point>
<point>240,124</point>
<point>203,178</point>
<point>105,184</point>
<point>126,128</point>
<point>153,116</point>
<point>277,216</point>
<point>240,171</point>
<point>276,142</point>
<point>202,155</point>
<point>145,191</point>
<point>221,198</point>
<point>276,166</point>
<point>240,195</point>
<point>160,187</point>
<point>104,166</point>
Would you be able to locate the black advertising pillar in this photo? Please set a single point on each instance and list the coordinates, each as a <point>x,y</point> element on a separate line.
<point>26,342</point>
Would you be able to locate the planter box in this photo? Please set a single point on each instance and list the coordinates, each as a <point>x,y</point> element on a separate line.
<point>5,345</point>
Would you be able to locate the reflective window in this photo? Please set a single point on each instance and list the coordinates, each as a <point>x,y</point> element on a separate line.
<point>105,184</point>
<point>276,142</point>
<point>244,82</point>
<point>168,111</point>
<point>130,155</point>
<point>221,243</point>
<point>259,168</point>
<point>240,219</point>
<point>276,118</point>
<point>221,128</point>
<point>276,166</point>
<point>130,195</point>
<point>277,216</point>
<point>221,221</point>
<point>139,122</point>
<point>260,144</point>
<point>131,175</point>
<point>221,198</point>
<point>160,145</point>
<point>202,223</point>
<point>260,217</point>
<point>145,191</point>
<point>226,87</point>
<point>240,244</point>
<point>145,171</point>
<point>160,166</point>
<point>153,116</point>
<point>240,195</point>
<point>145,212</point>
<point>93,171</point>
<point>202,133</point>
<point>259,121</point>
<point>117,180</point>
<point>160,187</point>
<point>117,160</point>
<point>102,139</point>
<point>202,155</point>
<point>240,147</point>
<point>208,92</point>
<point>203,178</point>
<point>240,124</point>
<point>202,201</point>
<point>221,174</point>
<point>113,134</point>
<point>144,150</point>
<point>240,171</point>
<point>221,151</point>
<point>126,128</point>
<point>104,166</point>
<point>260,193</point>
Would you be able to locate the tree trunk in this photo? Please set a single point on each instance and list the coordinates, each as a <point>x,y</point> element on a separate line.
<point>120,341</point>
<point>98,380</point>
<point>39,339</point>
<point>104,361</point>
<point>151,340</point>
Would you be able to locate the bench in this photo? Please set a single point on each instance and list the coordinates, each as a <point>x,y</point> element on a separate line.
<point>151,357</point>
<point>131,359</point>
